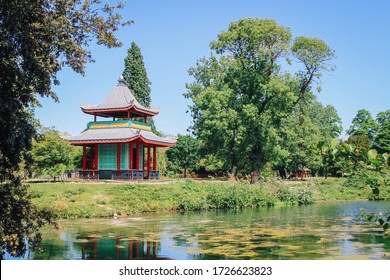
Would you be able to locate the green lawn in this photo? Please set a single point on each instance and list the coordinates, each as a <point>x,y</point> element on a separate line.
<point>105,199</point>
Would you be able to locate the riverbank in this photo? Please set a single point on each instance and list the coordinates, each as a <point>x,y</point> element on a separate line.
<point>84,199</point>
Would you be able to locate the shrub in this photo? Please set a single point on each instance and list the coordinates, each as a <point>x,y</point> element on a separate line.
<point>286,195</point>
<point>378,183</point>
<point>354,181</point>
<point>305,196</point>
<point>73,191</point>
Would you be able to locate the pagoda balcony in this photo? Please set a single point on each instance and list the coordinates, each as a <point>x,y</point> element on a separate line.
<point>119,124</point>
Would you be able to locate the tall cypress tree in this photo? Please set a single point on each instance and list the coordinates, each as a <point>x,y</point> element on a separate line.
<point>135,75</point>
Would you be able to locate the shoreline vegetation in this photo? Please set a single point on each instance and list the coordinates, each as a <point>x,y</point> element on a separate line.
<point>88,199</point>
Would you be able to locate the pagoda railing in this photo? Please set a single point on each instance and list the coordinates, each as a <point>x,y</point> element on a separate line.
<point>88,174</point>
<point>133,174</point>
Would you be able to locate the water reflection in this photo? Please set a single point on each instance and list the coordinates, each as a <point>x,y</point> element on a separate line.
<point>323,231</point>
<point>118,249</point>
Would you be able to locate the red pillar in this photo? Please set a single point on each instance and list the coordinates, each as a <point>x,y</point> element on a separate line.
<point>84,157</point>
<point>137,157</point>
<point>84,167</point>
<point>94,117</point>
<point>91,157</point>
<point>131,160</point>
<point>148,167</point>
<point>118,158</point>
<point>154,158</point>
<point>131,164</point>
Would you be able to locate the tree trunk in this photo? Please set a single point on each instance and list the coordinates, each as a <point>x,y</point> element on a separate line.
<point>185,172</point>
<point>255,175</point>
<point>287,174</point>
<point>233,175</point>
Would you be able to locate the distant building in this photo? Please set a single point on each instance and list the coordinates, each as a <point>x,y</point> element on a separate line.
<point>301,174</point>
<point>121,148</point>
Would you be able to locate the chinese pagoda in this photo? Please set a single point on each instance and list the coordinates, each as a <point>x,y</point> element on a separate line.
<point>121,148</point>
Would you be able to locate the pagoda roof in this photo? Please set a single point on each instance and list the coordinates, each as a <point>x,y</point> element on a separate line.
<point>118,102</point>
<point>119,135</point>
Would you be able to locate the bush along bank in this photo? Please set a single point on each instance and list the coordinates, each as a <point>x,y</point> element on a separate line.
<point>83,200</point>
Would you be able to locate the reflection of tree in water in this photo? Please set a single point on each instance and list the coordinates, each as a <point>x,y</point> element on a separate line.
<point>52,250</point>
<point>119,249</point>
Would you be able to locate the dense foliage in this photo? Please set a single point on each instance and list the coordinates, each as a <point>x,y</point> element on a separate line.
<point>39,38</point>
<point>363,124</point>
<point>382,137</point>
<point>52,156</point>
<point>375,132</point>
<point>301,133</point>
<point>184,155</point>
<point>20,219</point>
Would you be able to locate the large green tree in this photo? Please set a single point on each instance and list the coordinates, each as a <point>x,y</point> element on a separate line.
<point>301,133</point>
<point>38,38</point>
<point>184,155</point>
<point>217,124</point>
<point>135,75</point>
<point>259,94</point>
<point>52,156</point>
<point>382,138</point>
<point>363,124</point>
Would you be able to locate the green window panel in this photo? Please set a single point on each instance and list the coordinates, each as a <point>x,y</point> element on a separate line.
<point>107,156</point>
<point>125,156</point>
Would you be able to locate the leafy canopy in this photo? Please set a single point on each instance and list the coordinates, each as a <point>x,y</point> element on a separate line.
<point>244,93</point>
<point>38,39</point>
<point>363,124</point>
<point>382,138</point>
<point>301,134</point>
<point>183,156</point>
<point>52,155</point>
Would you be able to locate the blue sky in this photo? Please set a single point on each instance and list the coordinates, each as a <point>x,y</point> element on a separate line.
<point>173,35</point>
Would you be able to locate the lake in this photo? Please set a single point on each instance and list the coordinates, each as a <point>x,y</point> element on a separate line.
<point>320,231</point>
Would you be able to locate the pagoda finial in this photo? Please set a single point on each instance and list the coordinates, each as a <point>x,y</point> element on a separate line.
<point>121,81</point>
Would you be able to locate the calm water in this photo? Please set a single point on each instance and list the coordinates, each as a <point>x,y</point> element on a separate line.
<point>321,231</point>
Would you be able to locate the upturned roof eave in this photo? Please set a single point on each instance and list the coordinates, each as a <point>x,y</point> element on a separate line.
<point>119,135</point>
<point>131,108</point>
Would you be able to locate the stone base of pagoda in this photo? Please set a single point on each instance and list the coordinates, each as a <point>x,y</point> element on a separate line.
<point>154,175</point>
<point>136,174</point>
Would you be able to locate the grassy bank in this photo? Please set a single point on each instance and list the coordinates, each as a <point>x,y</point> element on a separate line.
<point>103,199</point>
